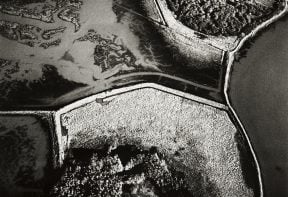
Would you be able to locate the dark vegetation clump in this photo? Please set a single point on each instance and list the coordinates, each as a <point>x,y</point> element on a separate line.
<point>124,171</point>
<point>222,17</point>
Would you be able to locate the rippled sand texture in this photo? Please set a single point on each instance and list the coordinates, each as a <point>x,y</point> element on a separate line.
<point>200,140</point>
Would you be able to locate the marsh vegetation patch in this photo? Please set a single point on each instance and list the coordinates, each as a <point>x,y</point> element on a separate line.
<point>126,170</point>
<point>222,17</point>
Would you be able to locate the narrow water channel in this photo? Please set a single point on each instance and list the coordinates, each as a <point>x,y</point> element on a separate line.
<point>259,95</point>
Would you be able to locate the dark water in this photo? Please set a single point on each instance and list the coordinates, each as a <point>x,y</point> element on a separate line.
<point>26,156</point>
<point>259,94</point>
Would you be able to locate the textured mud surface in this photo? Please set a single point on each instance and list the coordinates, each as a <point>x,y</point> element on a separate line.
<point>59,51</point>
<point>121,171</point>
<point>200,140</point>
<point>223,17</point>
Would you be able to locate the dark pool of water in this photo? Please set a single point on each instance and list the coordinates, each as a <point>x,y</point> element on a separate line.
<point>259,94</point>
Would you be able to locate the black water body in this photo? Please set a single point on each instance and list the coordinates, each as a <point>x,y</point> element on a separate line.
<point>259,94</point>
